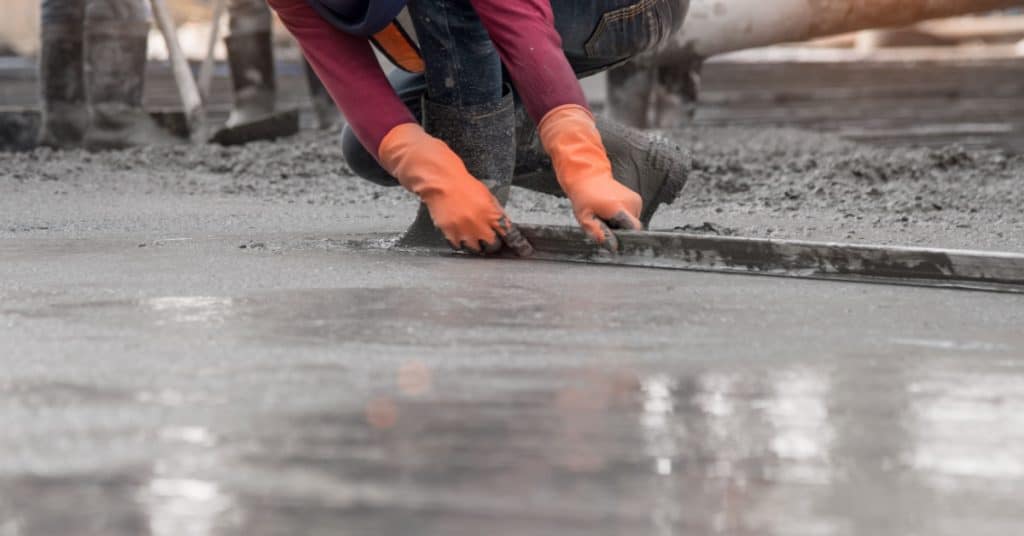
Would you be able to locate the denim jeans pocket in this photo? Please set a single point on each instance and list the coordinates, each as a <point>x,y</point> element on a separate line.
<point>635,28</point>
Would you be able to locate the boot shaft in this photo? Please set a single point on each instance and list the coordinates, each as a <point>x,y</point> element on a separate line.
<point>61,65</point>
<point>483,136</point>
<point>115,64</point>
<point>62,86</point>
<point>115,79</point>
<point>251,58</point>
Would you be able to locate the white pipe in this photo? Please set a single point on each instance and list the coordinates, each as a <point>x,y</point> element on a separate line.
<point>718,26</point>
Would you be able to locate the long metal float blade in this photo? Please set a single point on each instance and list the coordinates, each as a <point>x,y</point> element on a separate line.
<point>976,270</point>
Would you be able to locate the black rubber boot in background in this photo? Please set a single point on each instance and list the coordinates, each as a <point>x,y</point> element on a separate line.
<point>251,57</point>
<point>655,168</point>
<point>484,137</point>
<point>65,115</point>
<point>115,75</point>
<point>325,112</point>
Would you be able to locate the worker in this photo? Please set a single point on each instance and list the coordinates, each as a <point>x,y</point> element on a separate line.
<point>461,47</point>
<point>91,72</point>
<point>251,58</point>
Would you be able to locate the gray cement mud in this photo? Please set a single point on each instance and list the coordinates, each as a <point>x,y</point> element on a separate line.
<point>184,380</point>
<point>191,343</point>
<point>797,184</point>
<point>745,181</point>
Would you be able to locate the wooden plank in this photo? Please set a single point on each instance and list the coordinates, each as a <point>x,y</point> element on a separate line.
<point>974,270</point>
<point>968,28</point>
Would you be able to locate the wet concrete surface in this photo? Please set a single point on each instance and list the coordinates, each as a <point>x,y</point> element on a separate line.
<point>300,385</point>
<point>214,341</point>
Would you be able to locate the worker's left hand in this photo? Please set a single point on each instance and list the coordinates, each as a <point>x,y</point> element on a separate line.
<point>581,164</point>
<point>603,203</point>
<point>461,206</point>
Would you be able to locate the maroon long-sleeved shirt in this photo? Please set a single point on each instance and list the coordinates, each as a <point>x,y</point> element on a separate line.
<point>523,31</point>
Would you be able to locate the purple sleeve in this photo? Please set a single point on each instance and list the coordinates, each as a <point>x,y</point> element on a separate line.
<point>524,33</point>
<point>350,72</point>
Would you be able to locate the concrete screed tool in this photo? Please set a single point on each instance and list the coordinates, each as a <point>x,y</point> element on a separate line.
<point>861,263</point>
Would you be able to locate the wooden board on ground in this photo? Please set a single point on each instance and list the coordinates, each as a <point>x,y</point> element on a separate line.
<point>973,270</point>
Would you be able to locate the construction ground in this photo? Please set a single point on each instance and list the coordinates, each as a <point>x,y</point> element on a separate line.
<point>212,340</point>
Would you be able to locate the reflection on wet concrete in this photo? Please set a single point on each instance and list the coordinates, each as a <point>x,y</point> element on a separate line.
<point>758,450</point>
<point>177,500</point>
<point>392,411</point>
<point>199,309</point>
<point>955,416</point>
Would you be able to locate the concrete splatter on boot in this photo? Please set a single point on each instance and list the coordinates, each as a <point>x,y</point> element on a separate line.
<point>483,136</point>
<point>650,166</point>
<point>115,74</point>
<point>62,88</point>
<point>251,56</point>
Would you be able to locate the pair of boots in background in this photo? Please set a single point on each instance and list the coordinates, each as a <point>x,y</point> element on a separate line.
<point>92,72</point>
<point>251,58</point>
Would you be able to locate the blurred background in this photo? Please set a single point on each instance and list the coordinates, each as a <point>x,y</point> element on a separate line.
<point>999,34</point>
<point>955,79</point>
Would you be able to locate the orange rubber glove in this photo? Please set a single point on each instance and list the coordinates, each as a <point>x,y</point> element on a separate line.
<point>462,207</point>
<point>581,164</point>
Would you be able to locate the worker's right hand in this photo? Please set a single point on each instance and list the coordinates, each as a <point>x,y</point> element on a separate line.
<point>581,164</point>
<point>461,206</point>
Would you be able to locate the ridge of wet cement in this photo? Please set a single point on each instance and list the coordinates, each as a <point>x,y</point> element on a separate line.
<point>779,183</point>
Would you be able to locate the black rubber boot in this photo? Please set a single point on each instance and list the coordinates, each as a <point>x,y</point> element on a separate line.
<point>483,136</point>
<point>251,56</point>
<point>325,112</point>
<point>652,167</point>
<point>65,115</point>
<point>115,74</point>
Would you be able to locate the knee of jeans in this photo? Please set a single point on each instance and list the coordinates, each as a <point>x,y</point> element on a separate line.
<point>635,27</point>
<point>361,162</point>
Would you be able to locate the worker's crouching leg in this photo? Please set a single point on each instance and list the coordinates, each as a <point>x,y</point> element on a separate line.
<point>467,104</point>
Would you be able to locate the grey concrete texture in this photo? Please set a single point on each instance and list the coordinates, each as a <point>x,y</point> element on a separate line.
<point>218,341</point>
<point>304,385</point>
<point>744,181</point>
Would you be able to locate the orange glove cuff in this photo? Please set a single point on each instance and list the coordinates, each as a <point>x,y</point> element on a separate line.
<point>461,206</point>
<point>415,158</point>
<point>570,137</point>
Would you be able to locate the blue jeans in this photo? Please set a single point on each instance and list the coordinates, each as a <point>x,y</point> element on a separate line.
<point>464,69</point>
